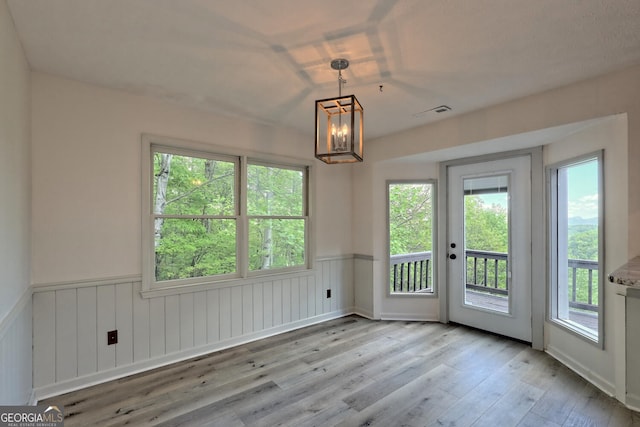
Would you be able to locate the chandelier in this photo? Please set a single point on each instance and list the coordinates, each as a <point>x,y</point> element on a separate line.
<point>339,124</point>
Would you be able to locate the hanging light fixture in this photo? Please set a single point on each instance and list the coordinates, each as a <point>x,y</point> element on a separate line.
<point>339,124</point>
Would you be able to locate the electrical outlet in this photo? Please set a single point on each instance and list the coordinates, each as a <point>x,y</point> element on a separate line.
<point>328,293</point>
<point>112,337</point>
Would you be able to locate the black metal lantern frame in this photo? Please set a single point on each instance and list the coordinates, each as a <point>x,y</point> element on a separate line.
<point>339,130</point>
<point>339,125</point>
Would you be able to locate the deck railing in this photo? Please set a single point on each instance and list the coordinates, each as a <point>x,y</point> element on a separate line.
<point>575,266</point>
<point>411,272</point>
<point>487,272</point>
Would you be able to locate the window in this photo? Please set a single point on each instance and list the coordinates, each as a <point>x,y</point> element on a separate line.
<point>194,216</point>
<point>410,213</point>
<point>212,217</point>
<point>277,216</point>
<point>576,240</point>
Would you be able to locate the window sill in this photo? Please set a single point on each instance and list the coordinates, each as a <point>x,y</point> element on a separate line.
<point>162,291</point>
<point>579,331</point>
<point>418,294</point>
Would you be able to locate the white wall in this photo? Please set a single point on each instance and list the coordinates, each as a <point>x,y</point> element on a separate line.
<point>15,297</point>
<point>86,221</point>
<point>617,92</point>
<point>14,166</point>
<point>86,176</point>
<point>599,366</point>
<point>528,121</point>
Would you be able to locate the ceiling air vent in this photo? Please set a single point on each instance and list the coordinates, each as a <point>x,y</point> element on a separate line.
<point>439,109</point>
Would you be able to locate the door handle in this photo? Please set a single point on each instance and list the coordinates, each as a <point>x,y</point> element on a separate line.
<point>452,256</point>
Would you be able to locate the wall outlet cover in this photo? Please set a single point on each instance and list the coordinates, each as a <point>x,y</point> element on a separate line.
<point>112,337</point>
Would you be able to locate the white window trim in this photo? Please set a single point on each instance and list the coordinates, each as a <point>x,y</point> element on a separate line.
<point>434,240</point>
<point>246,217</point>
<point>151,288</point>
<point>552,307</point>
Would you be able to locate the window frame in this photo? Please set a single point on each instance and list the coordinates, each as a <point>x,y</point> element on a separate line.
<point>552,252</point>
<point>433,293</point>
<point>152,144</point>
<point>305,214</point>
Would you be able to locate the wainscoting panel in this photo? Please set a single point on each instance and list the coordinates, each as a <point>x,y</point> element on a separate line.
<point>87,327</point>
<point>44,338</point>
<point>363,285</point>
<point>71,322</point>
<point>15,354</point>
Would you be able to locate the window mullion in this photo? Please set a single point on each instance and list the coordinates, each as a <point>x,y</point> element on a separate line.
<point>243,225</point>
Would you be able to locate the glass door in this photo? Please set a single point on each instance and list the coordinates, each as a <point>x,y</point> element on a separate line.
<point>489,233</point>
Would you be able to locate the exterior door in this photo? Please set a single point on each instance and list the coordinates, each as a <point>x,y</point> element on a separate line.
<point>489,246</point>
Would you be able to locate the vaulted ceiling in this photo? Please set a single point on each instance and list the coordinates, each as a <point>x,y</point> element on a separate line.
<point>269,60</point>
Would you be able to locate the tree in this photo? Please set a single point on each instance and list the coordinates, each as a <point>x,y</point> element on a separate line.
<point>583,242</point>
<point>410,218</point>
<point>161,173</point>
<point>486,227</point>
<point>189,193</point>
<point>275,205</point>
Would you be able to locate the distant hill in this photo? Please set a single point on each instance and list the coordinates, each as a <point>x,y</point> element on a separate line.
<point>576,220</point>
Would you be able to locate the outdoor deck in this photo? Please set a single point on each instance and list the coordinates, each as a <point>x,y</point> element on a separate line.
<point>500,303</point>
<point>487,282</point>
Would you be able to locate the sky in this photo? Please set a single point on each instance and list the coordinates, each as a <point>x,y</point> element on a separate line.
<point>583,191</point>
<point>499,199</point>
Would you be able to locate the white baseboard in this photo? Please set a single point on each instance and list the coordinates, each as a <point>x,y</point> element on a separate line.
<point>605,386</point>
<point>409,317</point>
<point>363,313</point>
<point>145,365</point>
<point>32,398</point>
<point>633,402</point>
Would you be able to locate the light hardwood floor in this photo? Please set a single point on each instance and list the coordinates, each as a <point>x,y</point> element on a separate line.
<point>355,372</point>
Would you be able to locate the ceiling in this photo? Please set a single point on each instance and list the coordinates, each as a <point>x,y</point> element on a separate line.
<point>269,60</point>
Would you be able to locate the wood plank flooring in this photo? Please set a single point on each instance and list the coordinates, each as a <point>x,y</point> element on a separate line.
<point>355,372</point>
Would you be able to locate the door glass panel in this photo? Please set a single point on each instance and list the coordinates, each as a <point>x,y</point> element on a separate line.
<point>486,242</point>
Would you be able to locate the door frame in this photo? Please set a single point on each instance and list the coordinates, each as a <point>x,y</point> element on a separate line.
<point>538,242</point>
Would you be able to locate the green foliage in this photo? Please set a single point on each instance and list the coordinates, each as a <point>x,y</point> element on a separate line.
<point>197,186</point>
<point>274,191</point>
<point>275,196</point>
<point>276,243</point>
<point>195,248</point>
<point>410,218</point>
<point>197,190</point>
<point>486,227</point>
<point>410,226</point>
<point>583,244</point>
<point>196,233</point>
